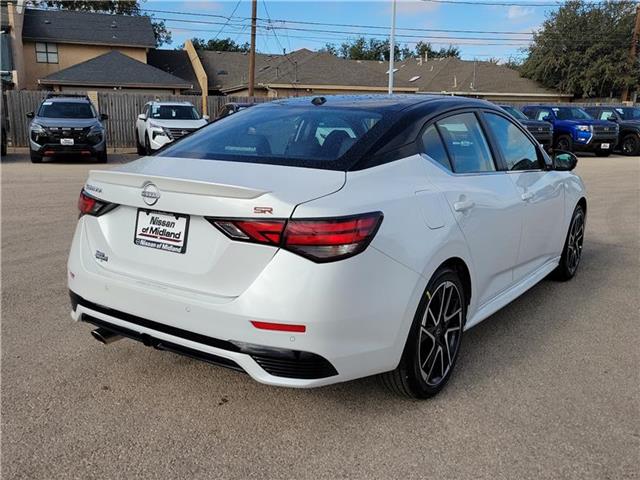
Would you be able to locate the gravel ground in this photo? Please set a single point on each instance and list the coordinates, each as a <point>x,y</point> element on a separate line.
<point>547,388</point>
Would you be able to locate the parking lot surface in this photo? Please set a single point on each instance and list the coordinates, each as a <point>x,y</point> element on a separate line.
<point>546,388</point>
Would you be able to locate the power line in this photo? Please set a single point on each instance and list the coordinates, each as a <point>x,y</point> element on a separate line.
<point>228,20</point>
<point>517,4</point>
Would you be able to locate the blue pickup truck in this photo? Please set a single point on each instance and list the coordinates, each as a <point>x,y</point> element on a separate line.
<point>574,130</point>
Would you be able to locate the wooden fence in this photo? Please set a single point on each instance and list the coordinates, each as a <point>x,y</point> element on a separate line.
<point>122,108</point>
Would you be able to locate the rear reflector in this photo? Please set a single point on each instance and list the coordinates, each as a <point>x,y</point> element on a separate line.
<point>279,327</point>
<point>318,239</point>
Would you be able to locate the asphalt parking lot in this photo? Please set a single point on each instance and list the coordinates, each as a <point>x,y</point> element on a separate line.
<point>547,388</point>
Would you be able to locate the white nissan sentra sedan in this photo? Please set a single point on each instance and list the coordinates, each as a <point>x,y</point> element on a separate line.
<point>316,240</point>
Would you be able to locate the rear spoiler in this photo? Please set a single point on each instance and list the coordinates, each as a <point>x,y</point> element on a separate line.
<point>171,184</point>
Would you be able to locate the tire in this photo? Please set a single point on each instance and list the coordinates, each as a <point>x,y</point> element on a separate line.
<point>630,145</point>
<point>602,153</point>
<point>572,251</point>
<point>102,156</point>
<point>35,157</point>
<point>147,145</point>
<point>563,142</point>
<point>442,339</point>
<point>139,148</point>
<point>3,144</point>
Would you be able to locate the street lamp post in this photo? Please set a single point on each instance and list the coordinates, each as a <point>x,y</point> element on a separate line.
<point>392,46</point>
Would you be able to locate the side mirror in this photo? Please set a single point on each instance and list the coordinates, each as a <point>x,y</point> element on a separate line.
<point>205,117</point>
<point>142,116</point>
<point>564,161</point>
<point>30,115</point>
<point>104,116</point>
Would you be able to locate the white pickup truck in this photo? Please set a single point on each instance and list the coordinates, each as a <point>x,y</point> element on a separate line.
<point>163,122</point>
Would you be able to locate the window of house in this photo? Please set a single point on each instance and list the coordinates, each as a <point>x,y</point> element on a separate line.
<point>46,52</point>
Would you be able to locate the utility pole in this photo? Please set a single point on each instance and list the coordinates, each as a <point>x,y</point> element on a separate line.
<point>252,51</point>
<point>392,46</point>
<point>633,52</point>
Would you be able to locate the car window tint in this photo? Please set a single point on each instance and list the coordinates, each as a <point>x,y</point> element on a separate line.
<point>278,134</point>
<point>466,144</point>
<point>51,109</point>
<point>432,146</point>
<point>518,151</point>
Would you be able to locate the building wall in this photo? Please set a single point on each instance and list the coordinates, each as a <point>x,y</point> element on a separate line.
<point>69,54</point>
<point>15,13</point>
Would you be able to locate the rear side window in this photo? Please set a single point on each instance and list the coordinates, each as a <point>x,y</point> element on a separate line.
<point>518,151</point>
<point>466,144</point>
<point>432,146</point>
<point>279,134</point>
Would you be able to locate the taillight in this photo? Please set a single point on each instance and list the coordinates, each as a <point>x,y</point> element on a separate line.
<point>89,205</point>
<point>320,240</point>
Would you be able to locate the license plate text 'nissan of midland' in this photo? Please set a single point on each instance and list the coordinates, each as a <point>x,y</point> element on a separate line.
<point>164,231</point>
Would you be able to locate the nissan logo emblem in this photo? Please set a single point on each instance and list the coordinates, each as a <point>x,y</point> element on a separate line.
<point>184,132</point>
<point>150,193</point>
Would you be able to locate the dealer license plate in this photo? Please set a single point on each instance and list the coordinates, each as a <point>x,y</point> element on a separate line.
<point>66,141</point>
<point>605,146</point>
<point>162,230</point>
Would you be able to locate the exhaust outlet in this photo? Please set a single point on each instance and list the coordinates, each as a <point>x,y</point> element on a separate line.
<point>105,336</point>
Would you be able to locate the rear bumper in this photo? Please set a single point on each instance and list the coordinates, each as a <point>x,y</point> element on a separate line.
<point>357,313</point>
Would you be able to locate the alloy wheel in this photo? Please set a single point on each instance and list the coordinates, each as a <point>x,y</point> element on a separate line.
<point>574,245</point>
<point>440,333</point>
<point>628,146</point>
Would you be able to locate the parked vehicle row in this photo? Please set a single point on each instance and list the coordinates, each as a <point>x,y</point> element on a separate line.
<point>69,124</point>
<point>598,129</point>
<point>313,241</point>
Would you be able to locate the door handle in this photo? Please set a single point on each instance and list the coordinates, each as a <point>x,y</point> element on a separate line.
<point>526,196</point>
<point>463,205</point>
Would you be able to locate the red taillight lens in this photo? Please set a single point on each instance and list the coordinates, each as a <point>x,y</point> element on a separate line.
<point>331,239</point>
<point>89,205</point>
<point>258,231</point>
<point>320,240</point>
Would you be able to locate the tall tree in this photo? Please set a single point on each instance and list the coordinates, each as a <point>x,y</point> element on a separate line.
<point>363,49</point>
<point>120,7</point>
<point>219,45</point>
<point>425,48</point>
<point>583,49</point>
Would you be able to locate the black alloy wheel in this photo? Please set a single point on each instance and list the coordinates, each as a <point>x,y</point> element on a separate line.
<point>434,340</point>
<point>572,253</point>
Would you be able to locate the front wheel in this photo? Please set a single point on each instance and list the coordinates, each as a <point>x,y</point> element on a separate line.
<point>434,339</point>
<point>139,148</point>
<point>147,145</point>
<point>564,143</point>
<point>35,157</point>
<point>572,252</point>
<point>631,144</point>
<point>102,156</point>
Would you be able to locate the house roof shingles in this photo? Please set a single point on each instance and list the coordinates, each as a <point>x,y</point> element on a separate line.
<point>65,26</point>
<point>115,69</point>
<point>227,71</point>
<point>175,62</point>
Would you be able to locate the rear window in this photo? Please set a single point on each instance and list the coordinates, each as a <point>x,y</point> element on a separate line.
<point>279,134</point>
<point>66,110</point>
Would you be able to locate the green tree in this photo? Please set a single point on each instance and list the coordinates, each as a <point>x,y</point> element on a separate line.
<point>583,49</point>
<point>219,45</point>
<point>371,49</point>
<point>425,48</point>
<point>120,7</point>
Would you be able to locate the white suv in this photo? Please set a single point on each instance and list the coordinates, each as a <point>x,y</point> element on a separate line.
<point>163,122</point>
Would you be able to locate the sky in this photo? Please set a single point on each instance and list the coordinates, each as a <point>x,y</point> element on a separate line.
<point>206,19</point>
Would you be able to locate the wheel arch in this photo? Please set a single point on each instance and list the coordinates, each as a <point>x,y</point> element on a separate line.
<point>458,265</point>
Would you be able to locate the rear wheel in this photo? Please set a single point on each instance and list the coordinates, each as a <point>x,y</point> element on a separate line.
<point>434,339</point>
<point>572,252</point>
<point>35,157</point>
<point>564,143</point>
<point>631,144</point>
